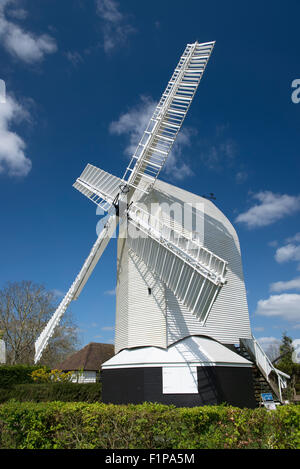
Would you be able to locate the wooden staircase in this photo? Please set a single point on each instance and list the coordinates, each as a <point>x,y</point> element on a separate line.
<point>260,383</point>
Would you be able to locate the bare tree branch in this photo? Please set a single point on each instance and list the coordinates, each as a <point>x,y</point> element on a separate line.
<point>25,309</point>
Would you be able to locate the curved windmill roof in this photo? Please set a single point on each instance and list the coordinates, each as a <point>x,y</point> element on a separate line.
<point>196,350</point>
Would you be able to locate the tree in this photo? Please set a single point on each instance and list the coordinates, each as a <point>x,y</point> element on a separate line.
<point>285,361</point>
<point>273,351</point>
<point>25,308</point>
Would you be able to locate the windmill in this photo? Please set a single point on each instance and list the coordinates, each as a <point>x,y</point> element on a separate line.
<point>180,299</point>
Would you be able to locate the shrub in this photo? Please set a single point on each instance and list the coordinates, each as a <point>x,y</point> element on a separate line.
<point>11,375</point>
<point>46,392</point>
<point>43,375</point>
<point>59,425</point>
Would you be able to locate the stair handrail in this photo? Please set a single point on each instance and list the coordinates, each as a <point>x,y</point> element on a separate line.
<point>264,363</point>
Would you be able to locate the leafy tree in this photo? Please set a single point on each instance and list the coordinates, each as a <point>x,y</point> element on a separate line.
<point>285,361</point>
<point>25,308</point>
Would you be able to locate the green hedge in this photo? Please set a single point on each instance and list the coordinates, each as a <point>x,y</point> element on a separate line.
<point>10,375</point>
<point>65,392</point>
<point>58,425</point>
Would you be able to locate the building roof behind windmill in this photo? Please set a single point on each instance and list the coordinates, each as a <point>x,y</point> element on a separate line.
<point>89,358</point>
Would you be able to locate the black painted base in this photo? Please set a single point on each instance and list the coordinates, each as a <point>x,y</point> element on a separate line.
<point>216,385</point>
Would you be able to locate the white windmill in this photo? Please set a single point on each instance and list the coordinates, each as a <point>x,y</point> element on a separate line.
<point>180,299</point>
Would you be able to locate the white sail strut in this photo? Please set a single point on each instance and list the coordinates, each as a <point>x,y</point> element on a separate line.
<point>148,160</point>
<point>167,119</point>
<point>78,284</point>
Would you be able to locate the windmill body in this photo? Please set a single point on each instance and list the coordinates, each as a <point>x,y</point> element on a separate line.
<point>147,311</point>
<point>181,305</point>
<point>163,351</point>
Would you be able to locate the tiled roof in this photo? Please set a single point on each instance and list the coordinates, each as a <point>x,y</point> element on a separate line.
<point>89,358</point>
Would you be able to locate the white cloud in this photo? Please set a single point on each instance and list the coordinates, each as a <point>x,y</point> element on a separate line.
<point>58,293</point>
<point>74,57</point>
<point>241,177</point>
<point>110,292</point>
<point>17,13</point>
<point>296,354</point>
<point>273,244</point>
<point>295,238</point>
<point>271,346</point>
<point>221,151</point>
<point>12,147</point>
<point>116,28</point>
<point>134,122</point>
<point>175,166</point>
<point>286,306</point>
<point>289,252</point>
<point>271,208</point>
<point>217,154</point>
<point>266,342</point>
<point>107,328</point>
<point>21,44</point>
<point>293,284</point>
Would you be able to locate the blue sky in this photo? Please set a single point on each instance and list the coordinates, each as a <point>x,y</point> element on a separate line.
<point>81,78</point>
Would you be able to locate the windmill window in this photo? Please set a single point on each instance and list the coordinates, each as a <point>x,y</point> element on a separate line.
<point>149,291</point>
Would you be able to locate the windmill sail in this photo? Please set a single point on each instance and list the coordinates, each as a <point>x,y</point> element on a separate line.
<point>161,132</point>
<point>99,186</point>
<point>146,163</point>
<point>191,271</point>
<point>77,286</point>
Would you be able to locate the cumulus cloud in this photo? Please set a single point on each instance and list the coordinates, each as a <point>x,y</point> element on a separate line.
<point>134,122</point>
<point>285,306</point>
<point>293,284</point>
<point>266,342</point>
<point>271,346</point>
<point>271,208</point>
<point>22,44</point>
<point>289,252</point>
<point>12,146</point>
<point>115,26</point>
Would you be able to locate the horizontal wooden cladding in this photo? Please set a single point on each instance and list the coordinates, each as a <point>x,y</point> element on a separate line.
<point>193,289</point>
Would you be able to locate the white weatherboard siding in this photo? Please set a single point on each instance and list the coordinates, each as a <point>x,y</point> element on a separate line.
<point>160,319</point>
<point>147,317</point>
<point>141,314</point>
<point>84,377</point>
<point>121,334</point>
